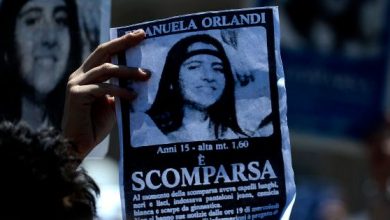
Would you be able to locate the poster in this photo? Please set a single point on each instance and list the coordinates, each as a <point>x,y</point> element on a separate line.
<point>207,136</point>
<point>42,43</point>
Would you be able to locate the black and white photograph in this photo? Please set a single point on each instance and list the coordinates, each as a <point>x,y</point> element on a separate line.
<point>42,43</point>
<point>206,137</point>
<point>201,87</point>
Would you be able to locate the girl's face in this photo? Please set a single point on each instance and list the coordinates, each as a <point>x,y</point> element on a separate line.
<point>202,80</point>
<point>42,43</point>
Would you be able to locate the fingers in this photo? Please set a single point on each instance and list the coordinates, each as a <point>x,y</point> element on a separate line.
<point>86,83</point>
<point>89,93</point>
<point>107,71</point>
<point>104,51</point>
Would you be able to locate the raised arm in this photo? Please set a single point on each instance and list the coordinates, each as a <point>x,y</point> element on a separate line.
<point>89,113</point>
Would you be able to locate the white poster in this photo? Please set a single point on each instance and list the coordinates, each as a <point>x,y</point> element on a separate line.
<point>207,136</point>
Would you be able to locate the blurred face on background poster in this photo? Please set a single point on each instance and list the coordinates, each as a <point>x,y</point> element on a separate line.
<point>42,43</point>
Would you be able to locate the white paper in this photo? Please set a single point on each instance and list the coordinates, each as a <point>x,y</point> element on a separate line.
<point>207,136</point>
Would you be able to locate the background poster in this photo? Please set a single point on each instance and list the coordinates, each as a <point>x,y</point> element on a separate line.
<point>208,133</point>
<point>42,43</point>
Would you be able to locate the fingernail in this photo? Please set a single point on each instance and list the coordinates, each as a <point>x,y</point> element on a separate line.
<point>136,32</point>
<point>146,72</point>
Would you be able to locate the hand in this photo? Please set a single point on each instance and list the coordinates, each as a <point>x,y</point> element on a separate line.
<point>89,113</point>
